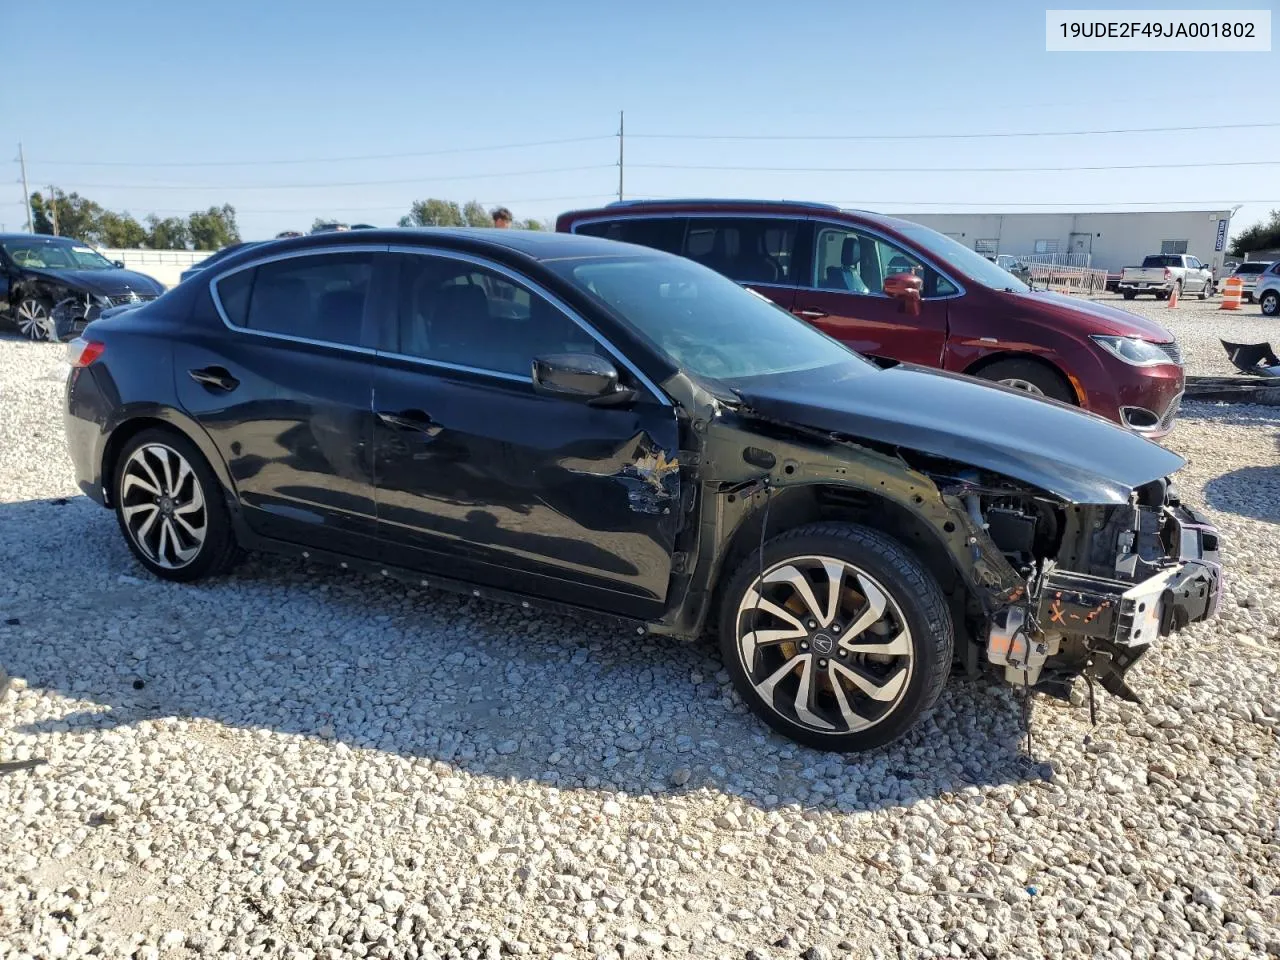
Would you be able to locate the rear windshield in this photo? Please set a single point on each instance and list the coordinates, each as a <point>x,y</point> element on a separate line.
<point>1163,260</point>
<point>1252,267</point>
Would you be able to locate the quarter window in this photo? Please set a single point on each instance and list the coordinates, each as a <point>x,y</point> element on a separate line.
<point>317,297</point>
<point>457,313</point>
<point>744,249</point>
<point>660,233</point>
<point>858,262</point>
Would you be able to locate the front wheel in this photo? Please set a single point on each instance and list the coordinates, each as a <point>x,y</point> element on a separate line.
<point>1207,290</point>
<point>33,317</point>
<point>1030,377</point>
<point>1270,302</point>
<point>837,637</point>
<point>1128,294</point>
<point>170,508</point>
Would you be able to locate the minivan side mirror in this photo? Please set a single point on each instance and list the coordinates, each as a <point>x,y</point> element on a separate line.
<point>906,288</point>
<point>118,264</point>
<point>580,376</point>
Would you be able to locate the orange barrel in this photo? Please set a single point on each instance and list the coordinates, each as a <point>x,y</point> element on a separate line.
<point>1231,293</point>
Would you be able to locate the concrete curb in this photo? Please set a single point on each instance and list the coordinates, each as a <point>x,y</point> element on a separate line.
<point>1263,390</point>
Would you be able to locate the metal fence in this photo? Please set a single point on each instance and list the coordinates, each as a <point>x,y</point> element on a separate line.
<point>1065,278</point>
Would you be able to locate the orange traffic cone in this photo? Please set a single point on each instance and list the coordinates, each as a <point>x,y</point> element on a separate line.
<point>1173,297</point>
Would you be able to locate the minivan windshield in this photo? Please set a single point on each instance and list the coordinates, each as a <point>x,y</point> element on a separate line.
<point>969,262</point>
<point>701,321</point>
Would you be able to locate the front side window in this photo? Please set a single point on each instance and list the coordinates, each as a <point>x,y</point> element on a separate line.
<point>744,249</point>
<point>858,262</point>
<point>465,315</point>
<point>318,297</point>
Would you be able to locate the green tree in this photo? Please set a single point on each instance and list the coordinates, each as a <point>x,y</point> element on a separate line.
<point>476,215</point>
<point>213,229</point>
<point>434,213</point>
<point>75,216</point>
<point>1260,236</point>
<point>170,233</point>
<point>120,230</point>
<point>531,224</point>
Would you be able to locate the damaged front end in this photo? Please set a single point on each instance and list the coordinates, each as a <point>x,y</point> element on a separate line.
<point>73,313</point>
<point>1103,581</point>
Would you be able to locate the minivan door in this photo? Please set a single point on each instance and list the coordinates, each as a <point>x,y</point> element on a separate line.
<point>845,297</point>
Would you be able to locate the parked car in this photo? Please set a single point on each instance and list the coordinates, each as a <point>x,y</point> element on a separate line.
<point>1162,273</point>
<point>1249,273</point>
<point>212,260</point>
<point>842,271</point>
<point>50,287</point>
<point>1015,266</point>
<point>1267,291</point>
<point>570,422</point>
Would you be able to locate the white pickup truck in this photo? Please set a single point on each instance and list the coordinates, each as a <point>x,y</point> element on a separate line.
<point>1160,273</point>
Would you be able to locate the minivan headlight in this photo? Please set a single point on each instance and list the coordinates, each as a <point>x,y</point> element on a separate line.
<point>1134,351</point>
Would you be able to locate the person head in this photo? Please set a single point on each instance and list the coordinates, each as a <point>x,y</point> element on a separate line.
<point>501,217</point>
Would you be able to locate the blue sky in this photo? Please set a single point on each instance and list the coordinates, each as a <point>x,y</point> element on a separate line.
<point>143,84</point>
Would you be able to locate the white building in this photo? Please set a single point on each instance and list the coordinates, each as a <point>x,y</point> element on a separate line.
<point>1110,241</point>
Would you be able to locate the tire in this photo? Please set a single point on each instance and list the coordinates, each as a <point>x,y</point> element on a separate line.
<point>33,317</point>
<point>1128,294</point>
<point>171,542</point>
<point>884,695</point>
<point>1270,303</point>
<point>1248,298</point>
<point>1206,291</point>
<point>1031,376</point>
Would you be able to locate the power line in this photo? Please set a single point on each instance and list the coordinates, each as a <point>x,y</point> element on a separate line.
<point>344,183</point>
<point>947,136</point>
<point>372,156</point>
<point>897,169</point>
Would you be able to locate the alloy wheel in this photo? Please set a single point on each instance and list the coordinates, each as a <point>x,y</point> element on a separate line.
<point>163,506</point>
<point>1026,385</point>
<point>33,319</point>
<point>824,644</point>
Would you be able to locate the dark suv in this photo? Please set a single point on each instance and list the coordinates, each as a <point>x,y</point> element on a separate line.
<point>897,291</point>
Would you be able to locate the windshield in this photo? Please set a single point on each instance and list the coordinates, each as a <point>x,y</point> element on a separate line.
<point>701,321</point>
<point>1162,260</point>
<point>953,253</point>
<point>53,253</point>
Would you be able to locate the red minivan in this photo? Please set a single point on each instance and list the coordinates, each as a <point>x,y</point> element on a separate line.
<point>897,291</point>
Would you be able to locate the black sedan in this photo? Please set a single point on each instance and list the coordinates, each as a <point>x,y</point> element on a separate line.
<point>50,287</point>
<point>566,421</point>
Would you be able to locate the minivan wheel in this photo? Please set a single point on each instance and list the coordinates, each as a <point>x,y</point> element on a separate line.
<point>170,508</point>
<point>838,638</point>
<point>1270,302</point>
<point>1031,377</point>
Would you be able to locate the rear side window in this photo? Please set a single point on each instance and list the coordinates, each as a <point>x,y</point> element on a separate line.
<point>744,249</point>
<point>319,297</point>
<point>660,233</point>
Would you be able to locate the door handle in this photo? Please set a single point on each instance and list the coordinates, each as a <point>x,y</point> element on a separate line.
<point>810,314</point>
<point>410,420</point>
<point>215,378</point>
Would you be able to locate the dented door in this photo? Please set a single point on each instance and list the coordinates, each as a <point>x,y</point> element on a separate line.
<point>482,479</point>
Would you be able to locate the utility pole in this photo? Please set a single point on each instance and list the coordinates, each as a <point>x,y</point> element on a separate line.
<point>26,195</point>
<point>53,209</point>
<point>621,140</point>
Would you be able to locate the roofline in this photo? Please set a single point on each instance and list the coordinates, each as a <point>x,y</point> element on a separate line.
<point>727,201</point>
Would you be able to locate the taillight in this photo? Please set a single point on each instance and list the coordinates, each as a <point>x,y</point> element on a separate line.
<point>1167,273</point>
<point>82,352</point>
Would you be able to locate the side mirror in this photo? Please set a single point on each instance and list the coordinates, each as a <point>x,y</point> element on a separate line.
<point>906,288</point>
<point>580,376</point>
<point>118,264</point>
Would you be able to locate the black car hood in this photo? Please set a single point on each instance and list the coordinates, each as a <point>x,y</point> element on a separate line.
<point>104,283</point>
<point>1074,455</point>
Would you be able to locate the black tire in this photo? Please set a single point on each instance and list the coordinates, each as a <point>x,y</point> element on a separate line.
<point>1248,298</point>
<point>16,317</point>
<point>915,598</point>
<point>1128,294</point>
<point>1206,291</point>
<point>218,551</point>
<point>1048,381</point>
<point>1270,303</point>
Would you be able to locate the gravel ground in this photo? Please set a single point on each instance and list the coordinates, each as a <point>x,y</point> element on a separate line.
<point>304,763</point>
<point>1201,325</point>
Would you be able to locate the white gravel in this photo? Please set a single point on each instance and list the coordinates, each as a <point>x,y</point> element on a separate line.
<point>1200,327</point>
<point>302,763</point>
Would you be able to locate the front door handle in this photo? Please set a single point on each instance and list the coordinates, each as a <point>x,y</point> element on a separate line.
<point>410,420</point>
<point>811,314</point>
<point>215,378</point>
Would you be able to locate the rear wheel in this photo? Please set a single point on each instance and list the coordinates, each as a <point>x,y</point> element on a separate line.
<point>170,508</point>
<point>837,638</point>
<point>1270,302</point>
<point>1128,294</point>
<point>1029,376</point>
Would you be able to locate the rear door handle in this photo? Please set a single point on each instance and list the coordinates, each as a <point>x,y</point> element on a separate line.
<point>215,378</point>
<point>813,314</point>
<point>410,420</point>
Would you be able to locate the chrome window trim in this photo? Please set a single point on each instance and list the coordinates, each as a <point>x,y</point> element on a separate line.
<point>816,220</point>
<point>292,255</point>
<point>457,367</point>
<point>537,288</point>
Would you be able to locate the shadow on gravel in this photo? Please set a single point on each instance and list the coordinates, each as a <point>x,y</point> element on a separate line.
<point>500,692</point>
<point>1252,492</point>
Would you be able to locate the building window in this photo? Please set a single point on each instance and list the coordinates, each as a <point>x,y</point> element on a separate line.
<point>1173,246</point>
<point>988,248</point>
<point>1046,246</point>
